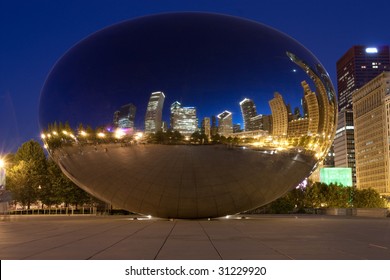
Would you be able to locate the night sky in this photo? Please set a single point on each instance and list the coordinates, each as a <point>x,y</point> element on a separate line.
<point>35,34</point>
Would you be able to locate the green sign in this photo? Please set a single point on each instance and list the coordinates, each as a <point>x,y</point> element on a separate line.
<point>339,175</point>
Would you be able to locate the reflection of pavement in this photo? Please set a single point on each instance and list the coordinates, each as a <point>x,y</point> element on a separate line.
<point>183,180</point>
<point>260,237</point>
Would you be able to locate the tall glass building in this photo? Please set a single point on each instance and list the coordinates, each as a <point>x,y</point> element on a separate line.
<point>358,66</point>
<point>248,111</point>
<point>124,118</point>
<point>153,117</point>
<point>183,119</point>
<point>225,123</point>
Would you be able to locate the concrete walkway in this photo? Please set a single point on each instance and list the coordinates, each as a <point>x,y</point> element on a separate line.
<point>267,237</point>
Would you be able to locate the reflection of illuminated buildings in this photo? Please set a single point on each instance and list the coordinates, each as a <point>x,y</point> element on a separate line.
<point>153,118</point>
<point>371,110</point>
<point>248,111</point>
<point>214,127</point>
<point>256,122</point>
<point>183,119</point>
<point>311,110</point>
<point>225,123</point>
<point>206,127</point>
<point>326,102</point>
<point>124,118</point>
<point>236,128</point>
<point>279,115</point>
<point>298,127</point>
<point>325,97</point>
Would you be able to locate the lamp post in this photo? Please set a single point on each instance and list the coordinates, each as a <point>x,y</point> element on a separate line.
<point>2,174</point>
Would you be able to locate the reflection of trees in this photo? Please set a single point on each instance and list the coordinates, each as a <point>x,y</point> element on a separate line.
<point>168,137</point>
<point>60,135</point>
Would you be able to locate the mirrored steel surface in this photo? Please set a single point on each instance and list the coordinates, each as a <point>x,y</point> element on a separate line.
<point>188,115</point>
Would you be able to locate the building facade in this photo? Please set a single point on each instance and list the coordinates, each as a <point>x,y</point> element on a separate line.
<point>358,66</point>
<point>153,117</point>
<point>183,119</point>
<point>310,109</point>
<point>206,127</point>
<point>344,142</point>
<point>279,115</point>
<point>225,123</point>
<point>355,68</point>
<point>124,118</point>
<point>371,109</point>
<point>248,111</point>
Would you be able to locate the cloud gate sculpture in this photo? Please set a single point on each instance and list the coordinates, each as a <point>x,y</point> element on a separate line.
<point>188,115</point>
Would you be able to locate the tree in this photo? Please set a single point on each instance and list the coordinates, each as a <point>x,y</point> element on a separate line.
<point>50,193</point>
<point>367,198</point>
<point>28,173</point>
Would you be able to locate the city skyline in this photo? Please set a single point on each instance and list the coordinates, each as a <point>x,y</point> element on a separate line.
<point>25,67</point>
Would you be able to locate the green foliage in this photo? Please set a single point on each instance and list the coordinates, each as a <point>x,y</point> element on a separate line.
<point>321,195</point>
<point>367,198</point>
<point>28,173</point>
<point>31,177</point>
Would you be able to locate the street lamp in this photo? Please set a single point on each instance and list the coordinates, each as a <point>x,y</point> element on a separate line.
<point>2,174</point>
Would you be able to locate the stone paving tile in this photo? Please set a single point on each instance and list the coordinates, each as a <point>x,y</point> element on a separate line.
<point>260,237</point>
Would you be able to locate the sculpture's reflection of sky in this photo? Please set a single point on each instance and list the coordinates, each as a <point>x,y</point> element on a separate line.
<point>186,61</point>
<point>36,33</point>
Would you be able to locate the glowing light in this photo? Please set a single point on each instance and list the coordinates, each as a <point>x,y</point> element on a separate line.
<point>101,135</point>
<point>138,135</point>
<point>43,136</point>
<point>371,50</point>
<point>83,133</point>
<point>65,132</point>
<point>2,163</point>
<point>119,133</point>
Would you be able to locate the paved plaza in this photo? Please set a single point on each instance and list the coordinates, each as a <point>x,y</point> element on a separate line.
<point>267,237</point>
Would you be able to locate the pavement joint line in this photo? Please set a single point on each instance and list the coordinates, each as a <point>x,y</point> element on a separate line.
<point>263,243</point>
<point>377,246</point>
<point>211,241</point>
<point>165,240</point>
<point>70,242</point>
<point>115,243</point>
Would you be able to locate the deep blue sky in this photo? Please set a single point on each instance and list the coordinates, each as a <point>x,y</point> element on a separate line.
<point>35,34</point>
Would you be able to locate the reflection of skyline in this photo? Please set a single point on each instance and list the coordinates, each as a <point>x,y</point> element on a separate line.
<point>316,117</point>
<point>281,123</point>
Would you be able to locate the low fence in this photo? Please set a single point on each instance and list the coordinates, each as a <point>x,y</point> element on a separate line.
<point>56,211</point>
<point>359,212</point>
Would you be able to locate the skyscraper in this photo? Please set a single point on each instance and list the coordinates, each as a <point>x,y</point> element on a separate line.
<point>206,127</point>
<point>344,142</point>
<point>225,123</point>
<point>359,65</point>
<point>371,109</point>
<point>279,115</point>
<point>153,117</point>
<point>183,119</point>
<point>248,111</point>
<point>124,118</point>
<point>311,110</point>
<point>355,68</point>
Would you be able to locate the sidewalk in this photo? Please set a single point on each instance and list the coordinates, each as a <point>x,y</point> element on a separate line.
<point>269,237</point>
